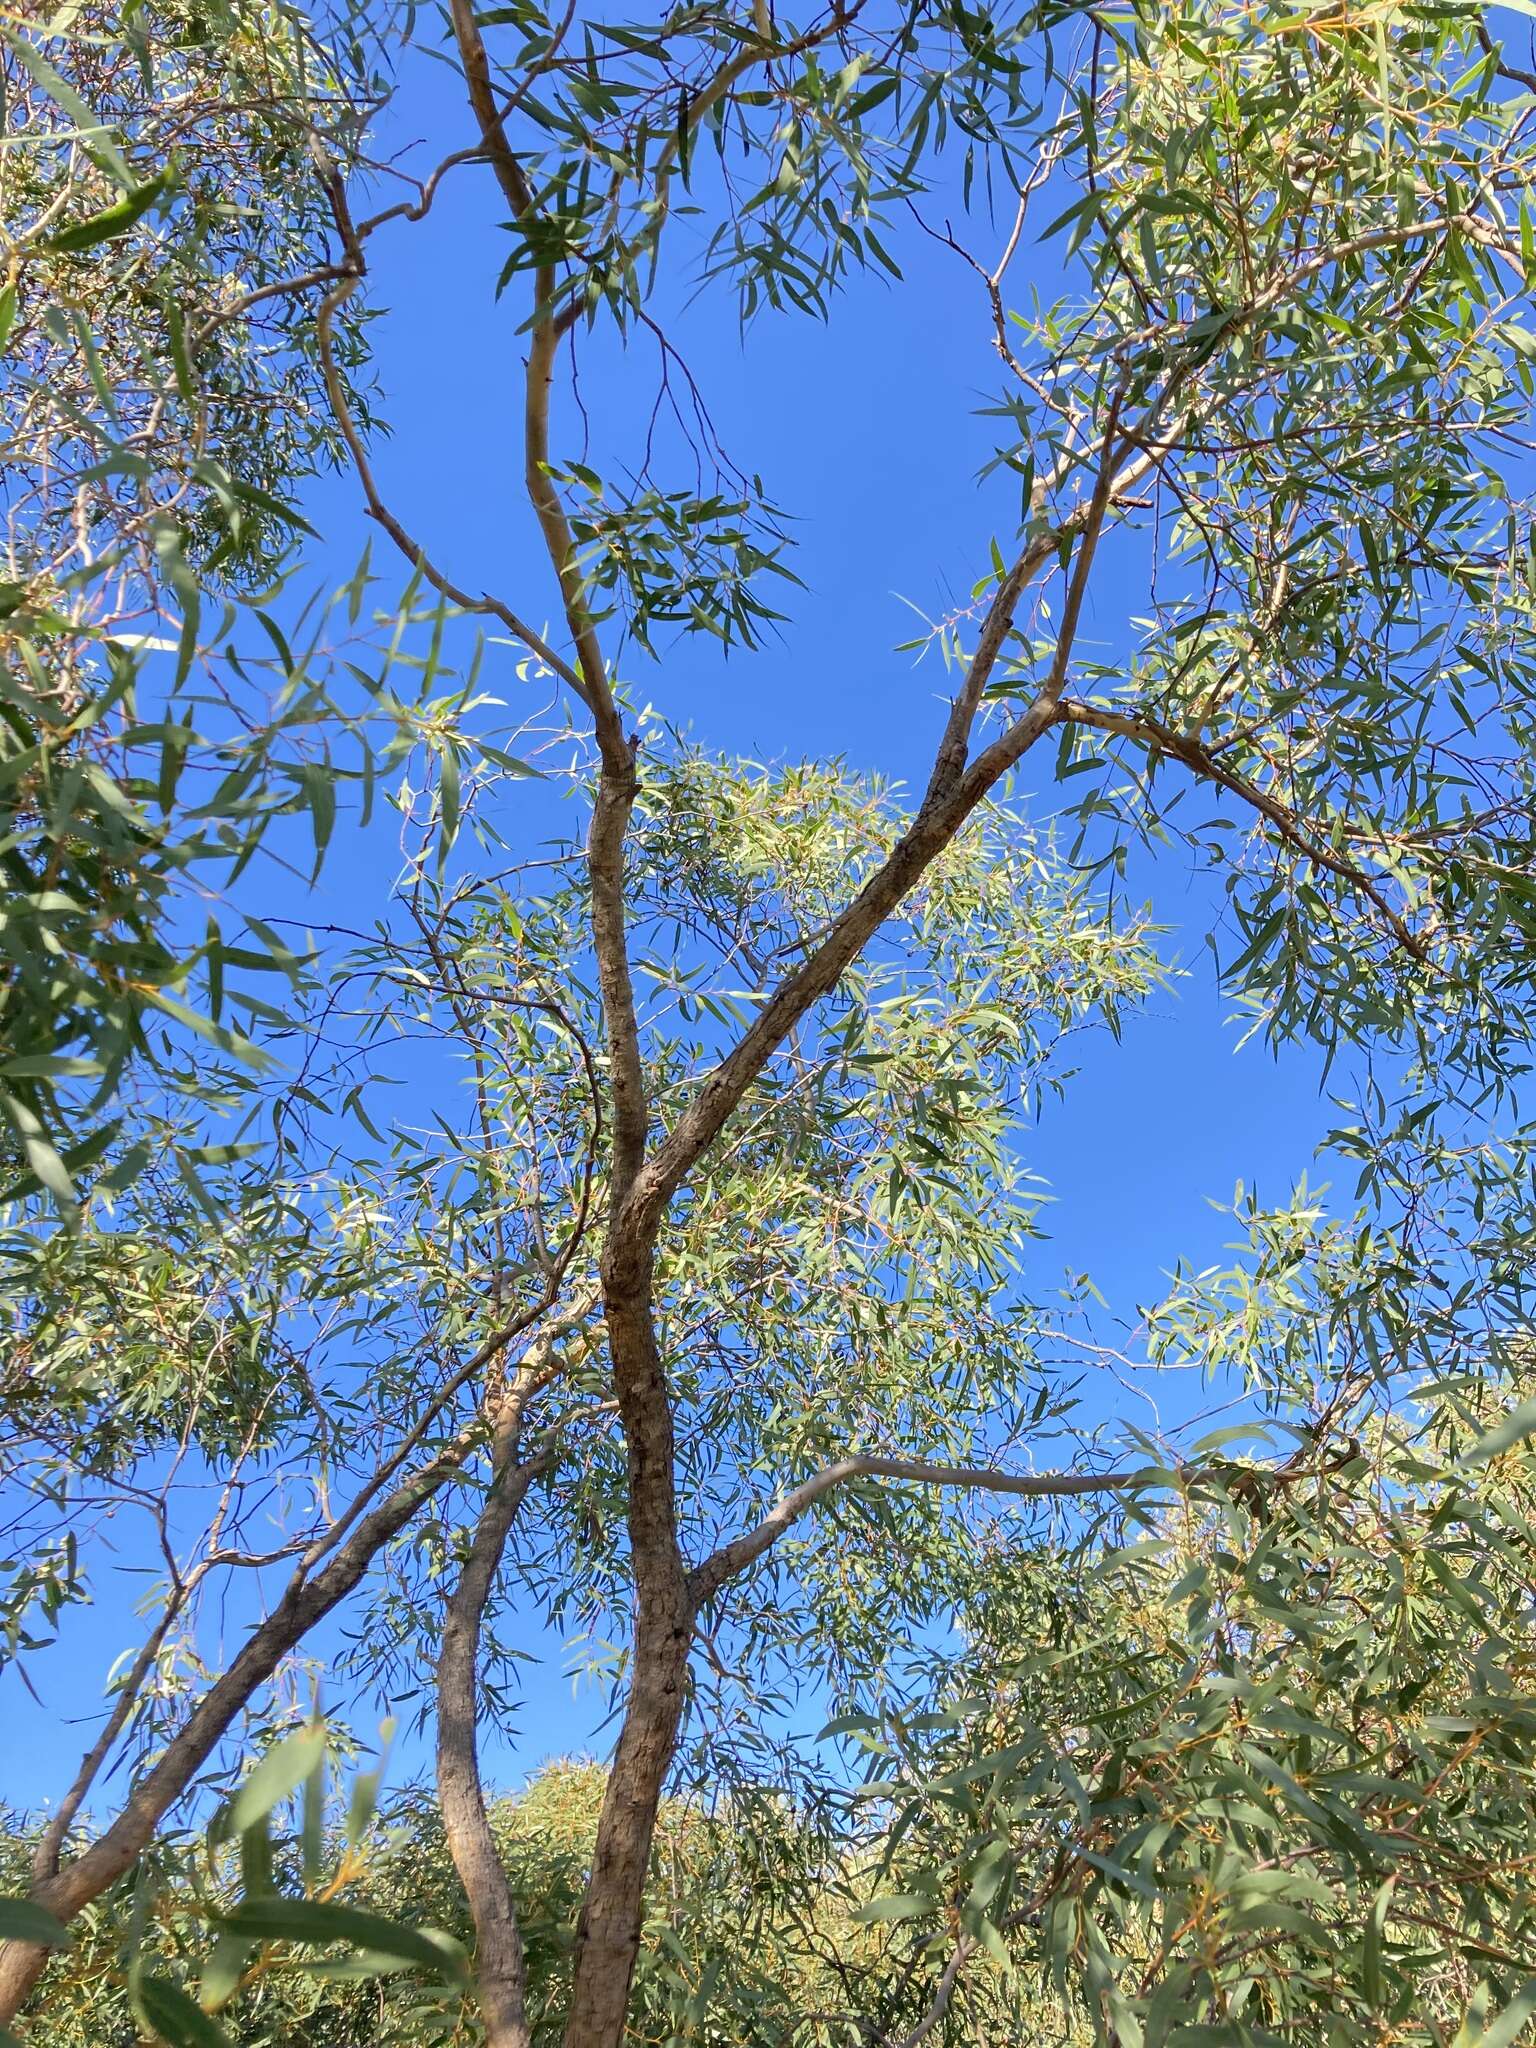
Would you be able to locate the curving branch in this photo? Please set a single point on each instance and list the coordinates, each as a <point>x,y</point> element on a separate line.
<point>734,1557</point>
<point>1246,1484</point>
<point>500,1969</point>
<point>351,277</point>
<point>943,1995</point>
<point>1196,756</point>
<point>616,790</point>
<point>308,1598</point>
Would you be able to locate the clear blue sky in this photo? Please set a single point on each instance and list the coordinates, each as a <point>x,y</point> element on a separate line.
<point>865,431</point>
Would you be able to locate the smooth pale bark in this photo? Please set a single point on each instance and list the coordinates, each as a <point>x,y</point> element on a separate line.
<point>308,1598</point>
<point>500,1973</point>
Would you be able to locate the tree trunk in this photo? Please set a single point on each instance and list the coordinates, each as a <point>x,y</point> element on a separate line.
<point>608,1937</point>
<point>500,1972</point>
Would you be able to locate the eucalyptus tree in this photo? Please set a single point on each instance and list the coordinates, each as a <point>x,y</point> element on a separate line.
<point>710,1316</point>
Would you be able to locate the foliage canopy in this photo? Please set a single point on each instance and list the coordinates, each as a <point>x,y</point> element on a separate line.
<point>632,1225</point>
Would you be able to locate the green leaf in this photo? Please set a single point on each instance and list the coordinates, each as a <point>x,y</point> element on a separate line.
<point>72,1161</point>
<point>95,138</point>
<point>319,783</point>
<point>258,1864</point>
<point>1506,2029</point>
<point>125,1171</point>
<point>361,1968</point>
<point>991,1867</point>
<point>876,96</point>
<point>115,220</point>
<point>223,1970</point>
<point>222,1155</point>
<point>252,494</point>
<point>279,1774</point>
<point>20,1920</point>
<point>177,572</point>
<point>1516,1426</point>
<point>448,782</point>
<point>1371,1947</point>
<point>900,1906</point>
<point>312,1828</point>
<point>322,1921</point>
<point>165,2009</point>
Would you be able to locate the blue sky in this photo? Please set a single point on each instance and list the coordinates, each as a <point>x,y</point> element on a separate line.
<point>866,431</point>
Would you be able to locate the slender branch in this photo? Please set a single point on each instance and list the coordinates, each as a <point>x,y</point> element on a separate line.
<point>1505,70</point>
<point>305,1603</point>
<point>953,794</point>
<point>615,795</point>
<point>50,1845</point>
<point>545,341</point>
<point>1243,1482</point>
<point>485,1354</point>
<point>500,1968</point>
<point>698,104</point>
<point>1324,258</point>
<point>477,153</point>
<point>352,274</point>
<point>490,118</point>
<point>944,1991</point>
<point>734,1557</point>
<point>1201,761</point>
<point>412,549</point>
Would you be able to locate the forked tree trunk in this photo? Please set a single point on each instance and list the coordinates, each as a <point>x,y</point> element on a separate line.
<point>306,1602</point>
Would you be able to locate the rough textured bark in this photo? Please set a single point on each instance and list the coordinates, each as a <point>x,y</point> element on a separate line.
<point>608,1935</point>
